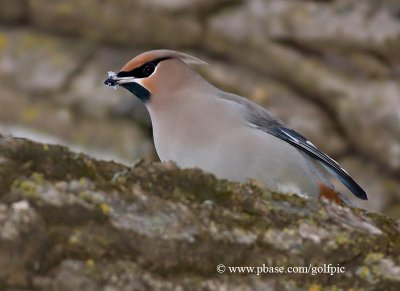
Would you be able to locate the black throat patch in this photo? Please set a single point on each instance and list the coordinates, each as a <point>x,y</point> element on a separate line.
<point>137,90</point>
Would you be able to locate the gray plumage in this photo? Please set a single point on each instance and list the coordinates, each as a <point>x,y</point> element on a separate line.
<point>269,123</point>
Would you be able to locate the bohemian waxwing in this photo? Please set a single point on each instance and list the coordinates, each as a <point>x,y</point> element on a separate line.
<point>196,124</point>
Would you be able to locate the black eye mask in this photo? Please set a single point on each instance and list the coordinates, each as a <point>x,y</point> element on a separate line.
<point>143,71</point>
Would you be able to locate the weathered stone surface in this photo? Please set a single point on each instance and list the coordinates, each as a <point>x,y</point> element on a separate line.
<point>69,222</point>
<point>13,11</point>
<point>122,21</point>
<point>137,23</point>
<point>341,24</point>
<point>370,114</point>
<point>38,63</point>
<point>119,140</point>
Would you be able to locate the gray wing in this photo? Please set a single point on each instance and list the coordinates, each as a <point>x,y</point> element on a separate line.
<point>267,122</point>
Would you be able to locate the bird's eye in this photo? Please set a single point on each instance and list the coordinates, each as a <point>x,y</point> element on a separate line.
<point>148,69</point>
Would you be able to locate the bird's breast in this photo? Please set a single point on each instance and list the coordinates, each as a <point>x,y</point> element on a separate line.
<point>189,136</point>
<point>220,141</point>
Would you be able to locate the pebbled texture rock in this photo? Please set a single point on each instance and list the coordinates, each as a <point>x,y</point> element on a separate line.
<point>69,222</point>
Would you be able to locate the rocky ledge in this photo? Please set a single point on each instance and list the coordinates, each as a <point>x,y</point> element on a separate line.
<point>69,222</point>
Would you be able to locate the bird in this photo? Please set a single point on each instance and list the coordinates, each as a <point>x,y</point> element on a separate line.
<point>197,125</point>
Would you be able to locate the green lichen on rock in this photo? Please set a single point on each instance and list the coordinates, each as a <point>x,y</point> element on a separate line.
<point>69,222</point>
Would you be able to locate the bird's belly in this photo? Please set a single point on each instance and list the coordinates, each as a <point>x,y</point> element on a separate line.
<point>244,155</point>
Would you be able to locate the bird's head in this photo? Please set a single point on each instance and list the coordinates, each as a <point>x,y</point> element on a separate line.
<point>154,72</point>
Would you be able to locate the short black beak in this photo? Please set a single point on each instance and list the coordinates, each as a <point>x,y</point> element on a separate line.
<point>111,82</point>
<point>135,88</point>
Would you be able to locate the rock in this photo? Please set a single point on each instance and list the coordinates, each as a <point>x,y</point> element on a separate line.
<point>138,23</point>
<point>20,225</point>
<point>78,223</point>
<point>111,139</point>
<point>341,24</point>
<point>38,63</point>
<point>329,69</point>
<point>13,11</point>
<point>370,115</point>
<point>124,21</point>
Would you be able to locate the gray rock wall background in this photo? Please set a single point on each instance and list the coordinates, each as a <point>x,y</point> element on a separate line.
<point>330,69</point>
